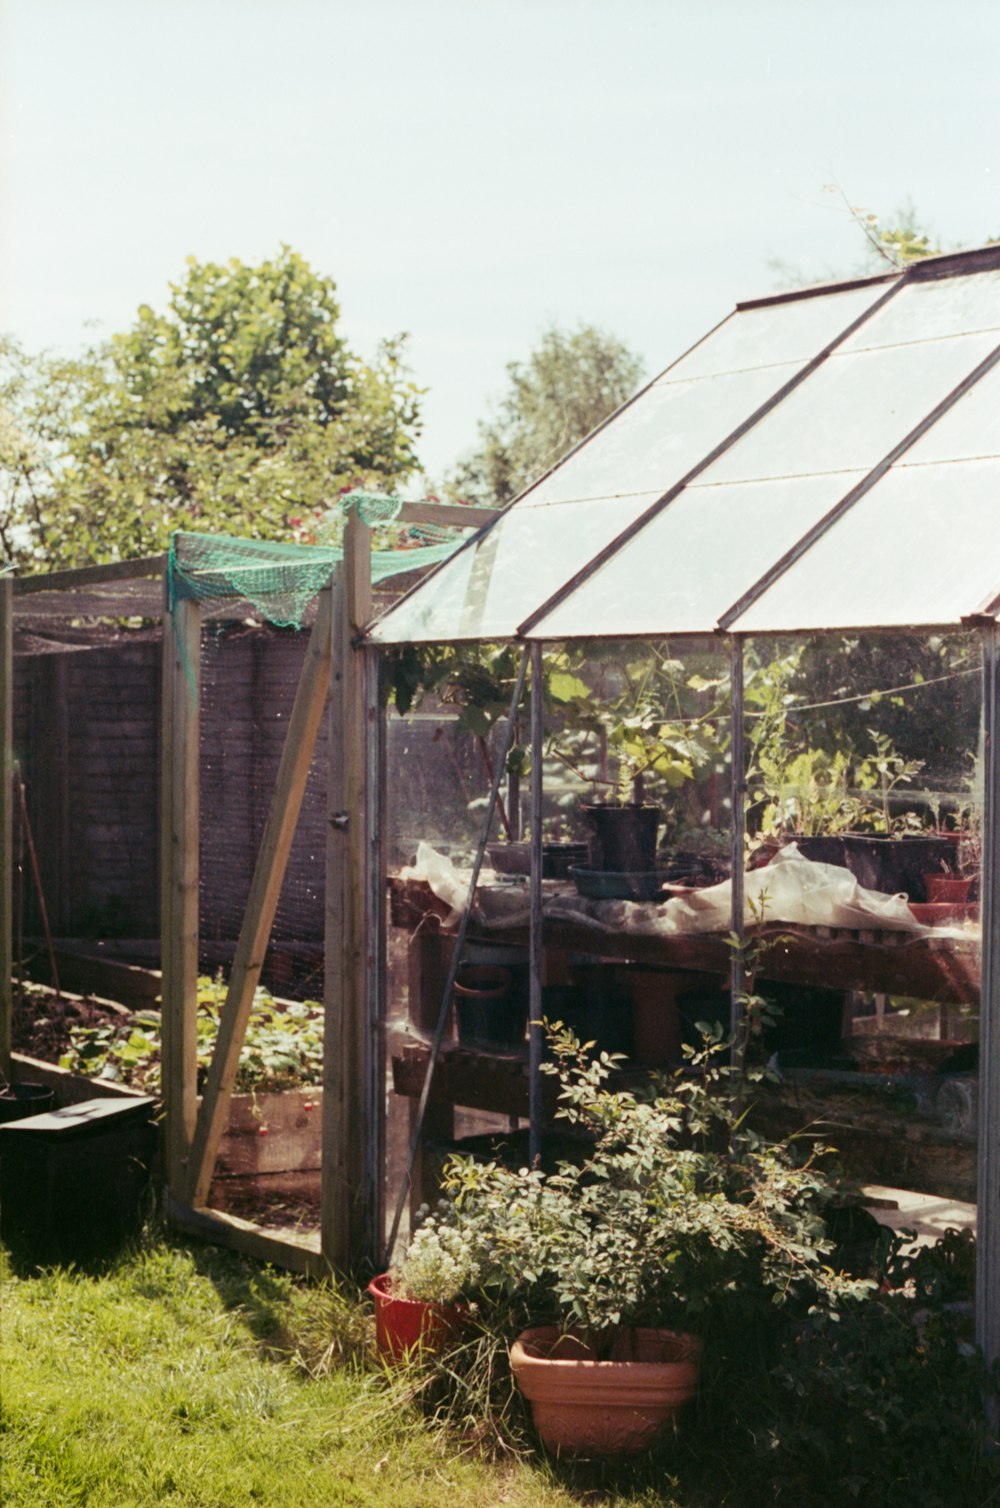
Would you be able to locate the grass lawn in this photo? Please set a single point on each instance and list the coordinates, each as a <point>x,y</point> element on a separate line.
<point>188,1375</point>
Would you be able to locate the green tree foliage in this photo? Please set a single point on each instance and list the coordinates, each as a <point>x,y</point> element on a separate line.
<point>240,408</point>
<point>569,384</point>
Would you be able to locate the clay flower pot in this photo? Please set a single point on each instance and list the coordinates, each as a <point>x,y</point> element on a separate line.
<point>948,888</point>
<point>403,1326</point>
<point>585,1407</point>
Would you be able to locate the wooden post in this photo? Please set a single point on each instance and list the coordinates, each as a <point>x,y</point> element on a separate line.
<point>6,820</point>
<point>272,861</point>
<point>348,1200</point>
<point>48,794</point>
<point>988,1192</point>
<point>179,886</point>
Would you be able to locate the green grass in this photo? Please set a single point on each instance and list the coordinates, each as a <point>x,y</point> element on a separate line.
<point>183,1376</point>
<point>186,1375</point>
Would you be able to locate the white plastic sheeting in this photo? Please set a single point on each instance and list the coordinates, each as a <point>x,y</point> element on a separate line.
<point>790,889</point>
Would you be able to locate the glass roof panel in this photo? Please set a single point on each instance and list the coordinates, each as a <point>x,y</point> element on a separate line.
<point>695,558</point>
<point>852,410</point>
<point>796,330</point>
<point>655,442</point>
<point>920,548</point>
<point>485,590</point>
<point>971,428</point>
<point>931,310</point>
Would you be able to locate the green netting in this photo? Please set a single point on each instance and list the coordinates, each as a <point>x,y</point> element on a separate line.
<point>280,580</point>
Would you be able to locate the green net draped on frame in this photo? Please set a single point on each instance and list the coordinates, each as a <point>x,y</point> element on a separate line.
<point>280,580</point>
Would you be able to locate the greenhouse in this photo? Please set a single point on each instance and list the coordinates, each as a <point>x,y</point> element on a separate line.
<point>821,462</point>
<point>760,602</point>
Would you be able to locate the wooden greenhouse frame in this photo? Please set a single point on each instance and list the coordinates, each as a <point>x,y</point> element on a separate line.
<point>339,672</point>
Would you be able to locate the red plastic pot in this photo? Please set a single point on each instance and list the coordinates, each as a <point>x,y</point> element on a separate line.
<point>585,1407</point>
<point>403,1326</point>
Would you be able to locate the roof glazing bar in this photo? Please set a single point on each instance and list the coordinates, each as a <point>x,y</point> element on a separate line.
<point>730,616</point>
<point>474,539</point>
<point>668,497</point>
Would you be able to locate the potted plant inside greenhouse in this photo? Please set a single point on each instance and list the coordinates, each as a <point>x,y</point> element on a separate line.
<point>651,746</point>
<point>675,1220</point>
<point>845,809</point>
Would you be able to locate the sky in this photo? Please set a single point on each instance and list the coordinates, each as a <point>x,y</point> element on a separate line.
<point>474,171</point>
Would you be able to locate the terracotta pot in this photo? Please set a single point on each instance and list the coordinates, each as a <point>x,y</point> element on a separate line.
<point>943,913</point>
<point>585,1407</point>
<point>405,1325</point>
<point>947,887</point>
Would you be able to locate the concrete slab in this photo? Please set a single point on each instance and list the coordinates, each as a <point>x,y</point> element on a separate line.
<point>929,1215</point>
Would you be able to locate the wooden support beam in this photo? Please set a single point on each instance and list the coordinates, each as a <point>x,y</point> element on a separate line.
<point>84,576</point>
<point>298,1252</point>
<point>453,515</point>
<point>6,820</point>
<point>179,885</point>
<point>269,874</point>
<point>348,1200</point>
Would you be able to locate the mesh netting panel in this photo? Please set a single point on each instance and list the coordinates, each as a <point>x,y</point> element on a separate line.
<point>280,580</point>
<point>249,677</point>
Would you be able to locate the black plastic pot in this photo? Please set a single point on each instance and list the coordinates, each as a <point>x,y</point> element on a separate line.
<point>897,864</point>
<point>597,1007</point>
<point>820,849</point>
<point>20,1100</point>
<point>624,837</point>
<point>488,1011</point>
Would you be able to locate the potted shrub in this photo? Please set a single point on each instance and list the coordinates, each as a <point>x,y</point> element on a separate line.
<point>675,1217</point>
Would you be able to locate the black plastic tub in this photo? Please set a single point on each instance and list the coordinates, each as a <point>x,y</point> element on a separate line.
<point>74,1182</point>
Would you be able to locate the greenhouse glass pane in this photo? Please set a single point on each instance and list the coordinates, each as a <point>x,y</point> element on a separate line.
<point>930,311</point>
<point>851,411</point>
<point>971,428</point>
<point>920,548</point>
<point>487,589</point>
<point>656,441</point>
<point>692,561</point>
<point>773,333</point>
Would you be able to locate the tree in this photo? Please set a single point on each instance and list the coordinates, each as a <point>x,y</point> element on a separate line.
<point>240,408</point>
<point>570,383</point>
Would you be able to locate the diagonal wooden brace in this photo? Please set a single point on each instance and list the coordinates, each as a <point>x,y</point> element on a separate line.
<point>272,861</point>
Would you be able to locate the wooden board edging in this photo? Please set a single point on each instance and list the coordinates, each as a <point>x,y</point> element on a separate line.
<point>292,1250</point>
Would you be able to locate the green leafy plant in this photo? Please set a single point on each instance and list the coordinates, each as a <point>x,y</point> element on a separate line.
<point>881,773</point>
<point>675,1205</point>
<point>282,1049</point>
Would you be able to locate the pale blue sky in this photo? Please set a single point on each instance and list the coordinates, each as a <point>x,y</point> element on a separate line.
<point>471,170</point>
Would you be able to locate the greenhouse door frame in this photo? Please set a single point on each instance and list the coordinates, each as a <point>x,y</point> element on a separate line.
<point>337,669</point>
